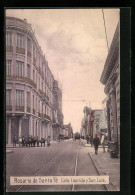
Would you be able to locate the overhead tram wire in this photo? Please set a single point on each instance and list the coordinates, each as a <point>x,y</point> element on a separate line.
<point>80,101</point>
<point>105,30</point>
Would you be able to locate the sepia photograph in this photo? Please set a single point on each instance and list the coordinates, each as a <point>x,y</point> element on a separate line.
<point>62,99</point>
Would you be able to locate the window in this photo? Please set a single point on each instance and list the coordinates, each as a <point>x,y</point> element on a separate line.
<point>39,106</point>
<point>45,109</point>
<point>33,75</point>
<point>42,108</point>
<point>8,97</point>
<point>42,86</point>
<point>19,68</point>
<point>28,70</point>
<point>36,78</point>
<point>28,44</point>
<point>33,101</point>
<point>8,65</point>
<point>39,82</point>
<point>9,39</point>
<point>19,98</point>
<point>20,41</point>
<point>36,104</point>
<point>28,99</point>
<point>34,55</point>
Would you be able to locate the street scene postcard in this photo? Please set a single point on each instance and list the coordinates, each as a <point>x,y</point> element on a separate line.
<point>62,100</point>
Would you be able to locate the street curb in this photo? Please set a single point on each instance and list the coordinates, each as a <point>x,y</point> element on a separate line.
<point>110,186</point>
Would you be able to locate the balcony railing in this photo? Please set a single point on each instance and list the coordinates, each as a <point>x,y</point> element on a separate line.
<point>43,94</point>
<point>29,54</point>
<point>9,48</point>
<point>22,79</point>
<point>19,108</point>
<point>8,107</point>
<point>28,109</point>
<point>20,50</point>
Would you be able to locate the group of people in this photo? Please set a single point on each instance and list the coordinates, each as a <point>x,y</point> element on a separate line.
<point>30,141</point>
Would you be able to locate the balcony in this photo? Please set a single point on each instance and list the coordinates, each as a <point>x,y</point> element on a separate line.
<point>22,79</point>
<point>46,117</point>
<point>29,54</point>
<point>8,107</point>
<point>9,48</point>
<point>34,111</point>
<point>19,108</point>
<point>20,50</point>
<point>39,114</point>
<point>43,94</point>
<point>28,109</point>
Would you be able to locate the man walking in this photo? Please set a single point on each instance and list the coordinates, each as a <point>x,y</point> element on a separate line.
<point>96,143</point>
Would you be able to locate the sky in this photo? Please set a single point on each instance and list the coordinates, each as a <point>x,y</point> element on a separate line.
<point>74,43</point>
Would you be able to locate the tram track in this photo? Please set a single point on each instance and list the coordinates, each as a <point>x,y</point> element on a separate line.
<point>76,170</point>
<point>44,168</point>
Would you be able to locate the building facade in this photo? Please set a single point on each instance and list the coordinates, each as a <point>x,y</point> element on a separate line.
<point>85,125</point>
<point>29,84</point>
<point>97,122</point>
<point>111,79</point>
<point>57,106</point>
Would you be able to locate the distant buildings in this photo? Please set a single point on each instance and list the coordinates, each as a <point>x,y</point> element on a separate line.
<point>111,79</point>
<point>57,114</point>
<point>94,122</point>
<point>85,127</point>
<point>33,98</point>
<point>67,130</point>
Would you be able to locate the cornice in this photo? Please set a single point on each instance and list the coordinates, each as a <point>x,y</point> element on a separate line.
<point>112,57</point>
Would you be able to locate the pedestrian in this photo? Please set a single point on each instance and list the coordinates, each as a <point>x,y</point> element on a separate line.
<point>20,141</point>
<point>96,143</point>
<point>48,141</point>
<point>87,138</point>
<point>14,141</point>
<point>59,138</point>
<point>23,140</point>
<point>91,140</point>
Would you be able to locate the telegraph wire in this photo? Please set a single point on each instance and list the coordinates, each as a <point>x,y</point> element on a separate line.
<point>105,29</point>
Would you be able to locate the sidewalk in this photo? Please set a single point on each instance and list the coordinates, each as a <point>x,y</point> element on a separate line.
<point>107,166</point>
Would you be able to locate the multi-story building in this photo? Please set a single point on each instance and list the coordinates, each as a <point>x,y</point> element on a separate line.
<point>85,125</point>
<point>58,116</point>
<point>111,79</point>
<point>29,84</point>
<point>95,119</point>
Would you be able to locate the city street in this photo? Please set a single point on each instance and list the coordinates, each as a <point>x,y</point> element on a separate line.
<point>67,158</point>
